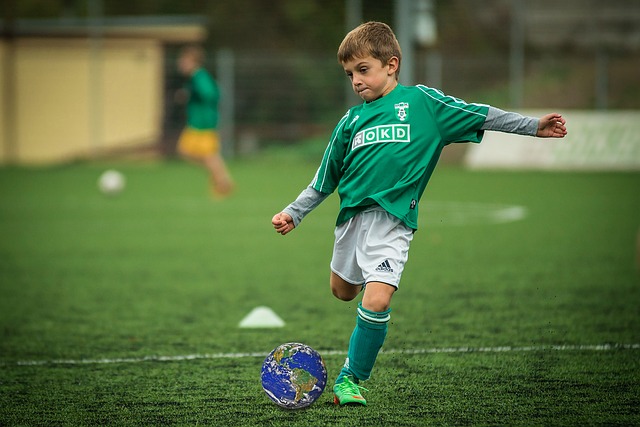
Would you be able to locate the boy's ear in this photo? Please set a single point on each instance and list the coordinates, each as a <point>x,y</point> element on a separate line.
<point>393,64</point>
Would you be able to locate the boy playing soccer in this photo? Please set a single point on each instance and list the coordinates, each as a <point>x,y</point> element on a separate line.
<point>380,158</point>
<point>199,141</point>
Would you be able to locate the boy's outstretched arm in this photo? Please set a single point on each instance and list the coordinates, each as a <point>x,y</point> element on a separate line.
<point>548,126</point>
<point>283,223</point>
<point>552,126</point>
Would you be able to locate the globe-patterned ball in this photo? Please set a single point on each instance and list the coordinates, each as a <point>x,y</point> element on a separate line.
<point>294,375</point>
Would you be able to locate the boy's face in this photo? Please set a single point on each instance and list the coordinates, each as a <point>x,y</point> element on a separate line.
<point>370,78</point>
<point>187,64</point>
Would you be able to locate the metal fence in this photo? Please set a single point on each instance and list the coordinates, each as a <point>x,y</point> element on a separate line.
<point>581,54</point>
<point>270,97</point>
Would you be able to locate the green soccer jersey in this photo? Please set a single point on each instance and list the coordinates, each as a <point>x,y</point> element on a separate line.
<point>384,152</point>
<point>202,108</point>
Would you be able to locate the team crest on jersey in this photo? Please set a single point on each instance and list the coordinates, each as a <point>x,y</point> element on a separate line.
<point>402,111</point>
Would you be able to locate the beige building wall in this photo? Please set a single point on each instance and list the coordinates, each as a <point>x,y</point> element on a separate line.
<point>3,102</point>
<point>75,98</point>
<point>132,89</point>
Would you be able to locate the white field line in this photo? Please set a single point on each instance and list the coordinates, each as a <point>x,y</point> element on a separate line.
<point>179,358</point>
<point>470,213</point>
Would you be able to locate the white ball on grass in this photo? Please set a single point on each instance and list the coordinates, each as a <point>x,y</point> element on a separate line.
<point>111,182</point>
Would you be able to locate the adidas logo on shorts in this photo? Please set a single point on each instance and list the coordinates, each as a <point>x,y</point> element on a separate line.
<point>385,266</point>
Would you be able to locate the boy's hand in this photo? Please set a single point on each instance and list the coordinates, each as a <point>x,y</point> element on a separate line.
<point>552,126</point>
<point>283,223</point>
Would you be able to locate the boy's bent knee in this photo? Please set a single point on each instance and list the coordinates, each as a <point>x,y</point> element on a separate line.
<point>377,296</point>
<point>344,295</point>
<point>342,289</point>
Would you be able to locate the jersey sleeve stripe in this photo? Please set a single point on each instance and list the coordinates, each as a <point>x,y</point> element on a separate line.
<point>327,154</point>
<point>426,91</point>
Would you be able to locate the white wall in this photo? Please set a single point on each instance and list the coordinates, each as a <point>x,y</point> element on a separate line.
<point>595,141</point>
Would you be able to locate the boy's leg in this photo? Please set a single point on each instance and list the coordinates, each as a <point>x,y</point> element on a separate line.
<point>365,342</point>
<point>371,248</point>
<point>219,173</point>
<point>342,289</point>
<point>370,331</point>
<point>377,296</point>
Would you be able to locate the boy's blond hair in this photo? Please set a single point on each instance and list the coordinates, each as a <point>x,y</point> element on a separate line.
<point>375,39</point>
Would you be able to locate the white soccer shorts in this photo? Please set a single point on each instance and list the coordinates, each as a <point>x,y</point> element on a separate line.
<point>373,246</point>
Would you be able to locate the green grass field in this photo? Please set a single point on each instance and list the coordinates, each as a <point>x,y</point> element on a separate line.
<point>125,310</point>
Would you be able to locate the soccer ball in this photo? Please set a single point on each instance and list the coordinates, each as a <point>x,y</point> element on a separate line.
<point>294,375</point>
<point>111,182</point>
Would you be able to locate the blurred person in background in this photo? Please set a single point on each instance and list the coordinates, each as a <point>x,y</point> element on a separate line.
<point>199,141</point>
